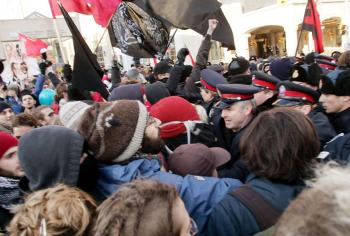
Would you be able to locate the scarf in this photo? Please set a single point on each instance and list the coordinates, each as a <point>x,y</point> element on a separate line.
<point>9,192</point>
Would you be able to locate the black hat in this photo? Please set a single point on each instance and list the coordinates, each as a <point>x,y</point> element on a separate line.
<point>4,105</point>
<point>162,68</point>
<point>240,79</point>
<point>292,94</point>
<point>210,79</point>
<point>310,74</point>
<point>264,81</point>
<point>238,66</point>
<point>231,93</point>
<point>337,83</point>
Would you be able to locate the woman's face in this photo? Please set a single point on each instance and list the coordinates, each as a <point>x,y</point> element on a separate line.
<point>182,221</point>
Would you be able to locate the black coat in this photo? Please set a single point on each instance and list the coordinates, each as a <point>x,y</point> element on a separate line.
<point>325,130</point>
<point>341,121</point>
<point>5,218</point>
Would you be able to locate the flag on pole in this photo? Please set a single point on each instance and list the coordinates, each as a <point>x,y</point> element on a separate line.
<point>312,23</point>
<point>78,6</point>
<point>101,10</point>
<point>33,46</point>
<point>87,73</point>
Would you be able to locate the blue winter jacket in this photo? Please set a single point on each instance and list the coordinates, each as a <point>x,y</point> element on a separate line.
<point>232,217</point>
<point>200,194</point>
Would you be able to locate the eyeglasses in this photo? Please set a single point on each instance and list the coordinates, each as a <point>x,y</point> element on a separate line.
<point>194,228</point>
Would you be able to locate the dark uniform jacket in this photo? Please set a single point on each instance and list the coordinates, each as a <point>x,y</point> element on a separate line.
<point>231,217</point>
<point>325,130</point>
<point>341,121</point>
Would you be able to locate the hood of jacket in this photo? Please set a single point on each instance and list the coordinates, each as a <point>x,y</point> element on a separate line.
<point>50,155</point>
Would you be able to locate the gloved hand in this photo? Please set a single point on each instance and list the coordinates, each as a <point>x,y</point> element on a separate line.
<point>181,55</point>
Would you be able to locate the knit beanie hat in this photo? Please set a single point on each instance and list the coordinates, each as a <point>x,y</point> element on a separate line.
<point>7,142</point>
<point>3,106</point>
<point>70,114</point>
<point>114,130</point>
<point>173,112</point>
<point>130,92</point>
<point>281,68</point>
<point>156,91</point>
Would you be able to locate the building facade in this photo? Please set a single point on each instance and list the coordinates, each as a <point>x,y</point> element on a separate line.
<point>266,28</point>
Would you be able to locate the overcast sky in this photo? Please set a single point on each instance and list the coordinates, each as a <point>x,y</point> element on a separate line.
<point>11,9</point>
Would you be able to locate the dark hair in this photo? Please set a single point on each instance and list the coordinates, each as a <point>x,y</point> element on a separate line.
<point>24,119</point>
<point>60,89</point>
<point>344,59</point>
<point>280,144</point>
<point>140,205</point>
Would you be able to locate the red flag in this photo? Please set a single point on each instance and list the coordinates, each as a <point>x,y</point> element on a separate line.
<point>312,23</point>
<point>102,10</point>
<point>79,6</point>
<point>33,46</point>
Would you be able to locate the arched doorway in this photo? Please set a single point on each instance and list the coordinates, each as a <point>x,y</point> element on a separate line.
<point>267,41</point>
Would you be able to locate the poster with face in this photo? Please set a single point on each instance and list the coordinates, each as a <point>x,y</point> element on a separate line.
<point>17,66</point>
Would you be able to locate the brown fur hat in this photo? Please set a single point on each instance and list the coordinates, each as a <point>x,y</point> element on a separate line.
<point>114,130</point>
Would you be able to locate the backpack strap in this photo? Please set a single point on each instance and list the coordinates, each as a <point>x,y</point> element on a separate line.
<point>264,213</point>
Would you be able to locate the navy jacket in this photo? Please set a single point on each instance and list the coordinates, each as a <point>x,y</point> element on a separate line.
<point>200,194</point>
<point>325,130</point>
<point>231,217</point>
<point>341,121</point>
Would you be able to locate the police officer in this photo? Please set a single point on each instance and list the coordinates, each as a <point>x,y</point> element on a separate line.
<point>207,85</point>
<point>238,110</point>
<point>265,98</point>
<point>304,99</point>
<point>335,99</point>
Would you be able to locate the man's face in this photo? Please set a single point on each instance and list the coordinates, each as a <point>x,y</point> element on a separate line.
<point>163,77</point>
<point>49,115</point>
<point>28,101</point>
<point>11,93</point>
<point>9,166</point>
<point>236,116</point>
<point>6,116</point>
<point>19,131</point>
<point>334,104</point>
<point>262,96</point>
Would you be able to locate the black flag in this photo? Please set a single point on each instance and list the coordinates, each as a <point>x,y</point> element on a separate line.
<point>191,14</point>
<point>87,73</point>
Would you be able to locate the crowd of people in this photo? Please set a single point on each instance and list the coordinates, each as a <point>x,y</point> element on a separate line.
<point>253,147</point>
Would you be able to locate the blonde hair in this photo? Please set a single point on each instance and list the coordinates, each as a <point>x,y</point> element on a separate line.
<point>324,209</point>
<point>65,210</point>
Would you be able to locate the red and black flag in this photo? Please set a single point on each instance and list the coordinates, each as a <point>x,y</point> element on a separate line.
<point>87,73</point>
<point>312,23</point>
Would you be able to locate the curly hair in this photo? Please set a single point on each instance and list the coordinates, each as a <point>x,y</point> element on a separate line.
<point>66,211</point>
<point>280,144</point>
<point>142,207</point>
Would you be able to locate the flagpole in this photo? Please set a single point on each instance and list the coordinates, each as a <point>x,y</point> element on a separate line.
<point>63,53</point>
<point>99,41</point>
<point>301,30</point>
<point>169,43</point>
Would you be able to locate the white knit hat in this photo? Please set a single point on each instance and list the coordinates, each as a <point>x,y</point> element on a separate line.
<point>71,113</point>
